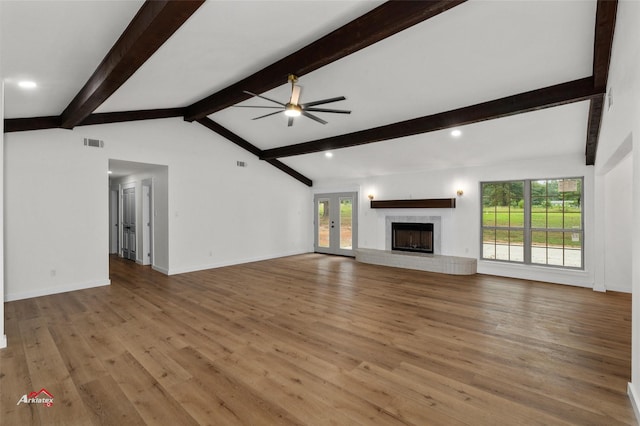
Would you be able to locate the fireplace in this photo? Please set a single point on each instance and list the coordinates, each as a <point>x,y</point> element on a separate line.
<point>415,237</point>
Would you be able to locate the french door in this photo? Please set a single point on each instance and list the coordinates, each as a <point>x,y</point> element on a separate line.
<point>336,223</point>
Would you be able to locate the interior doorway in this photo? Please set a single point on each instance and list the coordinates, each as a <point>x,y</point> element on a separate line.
<point>336,223</point>
<point>139,213</point>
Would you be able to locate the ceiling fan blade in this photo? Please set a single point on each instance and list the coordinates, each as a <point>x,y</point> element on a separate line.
<point>290,122</point>
<point>267,115</point>
<point>324,101</point>
<point>256,106</point>
<point>337,111</point>
<point>263,97</point>
<point>295,95</point>
<point>313,117</point>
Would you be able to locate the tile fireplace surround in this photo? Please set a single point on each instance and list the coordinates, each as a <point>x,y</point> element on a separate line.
<point>435,262</point>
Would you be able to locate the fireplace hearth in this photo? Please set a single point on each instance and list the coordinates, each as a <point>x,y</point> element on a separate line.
<point>413,237</point>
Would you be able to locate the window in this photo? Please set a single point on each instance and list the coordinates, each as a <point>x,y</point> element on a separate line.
<point>556,222</point>
<point>503,221</point>
<point>533,221</point>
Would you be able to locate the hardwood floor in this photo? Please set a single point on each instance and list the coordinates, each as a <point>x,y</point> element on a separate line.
<point>316,339</point>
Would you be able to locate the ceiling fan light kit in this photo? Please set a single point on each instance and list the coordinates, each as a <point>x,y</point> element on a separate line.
<point>293,108</point>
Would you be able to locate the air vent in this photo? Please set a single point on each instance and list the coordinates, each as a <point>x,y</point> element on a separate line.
<point>95,143</point>
<point>241,164</point>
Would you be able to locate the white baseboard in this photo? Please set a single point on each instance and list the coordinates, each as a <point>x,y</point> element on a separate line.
<point>599,288</point>
<point>633,397</point>
<point>620,289</point>
<point>175,271</point>
<point>576,278</point>
<point>55,290</point>
<point>3,341</point>
<point>159,269</point>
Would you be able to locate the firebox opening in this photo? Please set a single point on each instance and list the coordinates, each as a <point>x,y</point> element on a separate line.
<point>416,237</point>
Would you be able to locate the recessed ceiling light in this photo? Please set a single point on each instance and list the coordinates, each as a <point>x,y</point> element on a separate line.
<point>456,133</point>
<point>25,84</point>
<point>109,172</point>
<point>328,154</point>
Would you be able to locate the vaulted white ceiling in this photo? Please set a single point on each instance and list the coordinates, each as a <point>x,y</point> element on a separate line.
<point>475,52</point>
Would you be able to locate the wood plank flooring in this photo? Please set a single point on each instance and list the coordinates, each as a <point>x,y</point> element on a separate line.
<point>315,340</point>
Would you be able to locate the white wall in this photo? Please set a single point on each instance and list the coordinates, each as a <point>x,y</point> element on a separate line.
<point>219,214</point>
<point>56,209</point>
<point>3,337</point>
<point>161,220</point>
<point>617,227</point>
<point>620,128</point>
<point>461,225</point>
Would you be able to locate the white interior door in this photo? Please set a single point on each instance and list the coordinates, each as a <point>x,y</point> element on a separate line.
<point>336,223</point>
<point>147,226</point>
<point>113,221</point>
<point>129,223</point>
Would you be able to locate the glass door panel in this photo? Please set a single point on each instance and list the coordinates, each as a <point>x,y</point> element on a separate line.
<point>346,223</point>
<point>323,234</point>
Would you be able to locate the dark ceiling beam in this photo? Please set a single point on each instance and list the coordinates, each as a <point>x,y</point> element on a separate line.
<point>229,135</point>
<point>124,116</point>
<point>380,23</point>
<point>602,47</point>
<point>54,122</point>
<point>154,23</point>
<point>242,143</point>
<point>288,170</point>
<point>560,94</point>
<point>34,123</point>
<point>593,129</point>
<point>603,41</point>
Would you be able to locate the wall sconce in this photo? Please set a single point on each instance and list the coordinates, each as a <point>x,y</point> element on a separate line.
<point>460,192</point>
<point>370,196</point>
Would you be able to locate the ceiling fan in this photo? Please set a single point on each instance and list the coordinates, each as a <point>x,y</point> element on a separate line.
<point>293,108</point>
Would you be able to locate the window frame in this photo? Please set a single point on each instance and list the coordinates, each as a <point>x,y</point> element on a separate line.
<point>495,228</point>
<point>527,227</point>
